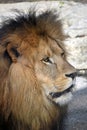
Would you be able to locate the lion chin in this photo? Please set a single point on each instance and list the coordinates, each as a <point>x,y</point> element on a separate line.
<point>62,98</point>
<point>36,81</point>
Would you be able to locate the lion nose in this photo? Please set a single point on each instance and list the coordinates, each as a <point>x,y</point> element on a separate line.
<point>71,75</point>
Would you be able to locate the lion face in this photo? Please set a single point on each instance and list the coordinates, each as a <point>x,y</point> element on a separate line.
<point>55,75</point>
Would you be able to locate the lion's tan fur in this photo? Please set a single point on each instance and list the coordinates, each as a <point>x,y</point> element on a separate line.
<point>23,103</point>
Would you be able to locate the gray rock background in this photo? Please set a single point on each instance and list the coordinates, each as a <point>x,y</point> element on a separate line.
<point>74,19</point>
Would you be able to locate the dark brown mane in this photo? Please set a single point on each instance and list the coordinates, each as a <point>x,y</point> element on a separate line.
<point>46,23</point>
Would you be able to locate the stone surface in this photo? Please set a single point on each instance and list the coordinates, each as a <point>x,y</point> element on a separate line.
<point>77,113</point>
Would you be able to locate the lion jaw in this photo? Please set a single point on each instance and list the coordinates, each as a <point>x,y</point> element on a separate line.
<point>61,98</point>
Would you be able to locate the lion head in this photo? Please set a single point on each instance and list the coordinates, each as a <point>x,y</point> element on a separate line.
<point>35,77</point>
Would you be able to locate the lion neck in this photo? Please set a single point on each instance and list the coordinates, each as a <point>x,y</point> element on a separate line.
<point>40,114</point>
<point>27,102</point>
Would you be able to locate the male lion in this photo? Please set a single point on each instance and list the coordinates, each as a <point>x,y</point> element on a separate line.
<point>36,81</point>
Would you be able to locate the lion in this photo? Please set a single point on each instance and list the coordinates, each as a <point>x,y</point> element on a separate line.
<point>36,81</point>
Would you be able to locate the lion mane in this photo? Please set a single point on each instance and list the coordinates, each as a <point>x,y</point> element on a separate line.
<point>23,104</point>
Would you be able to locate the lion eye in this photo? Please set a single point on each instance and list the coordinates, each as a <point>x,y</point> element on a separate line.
<point>47,60</point>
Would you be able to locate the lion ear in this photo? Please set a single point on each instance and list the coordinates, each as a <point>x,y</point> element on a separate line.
<point>13,52</point>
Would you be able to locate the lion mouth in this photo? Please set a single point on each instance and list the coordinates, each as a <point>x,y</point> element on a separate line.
<point>58,94</point>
